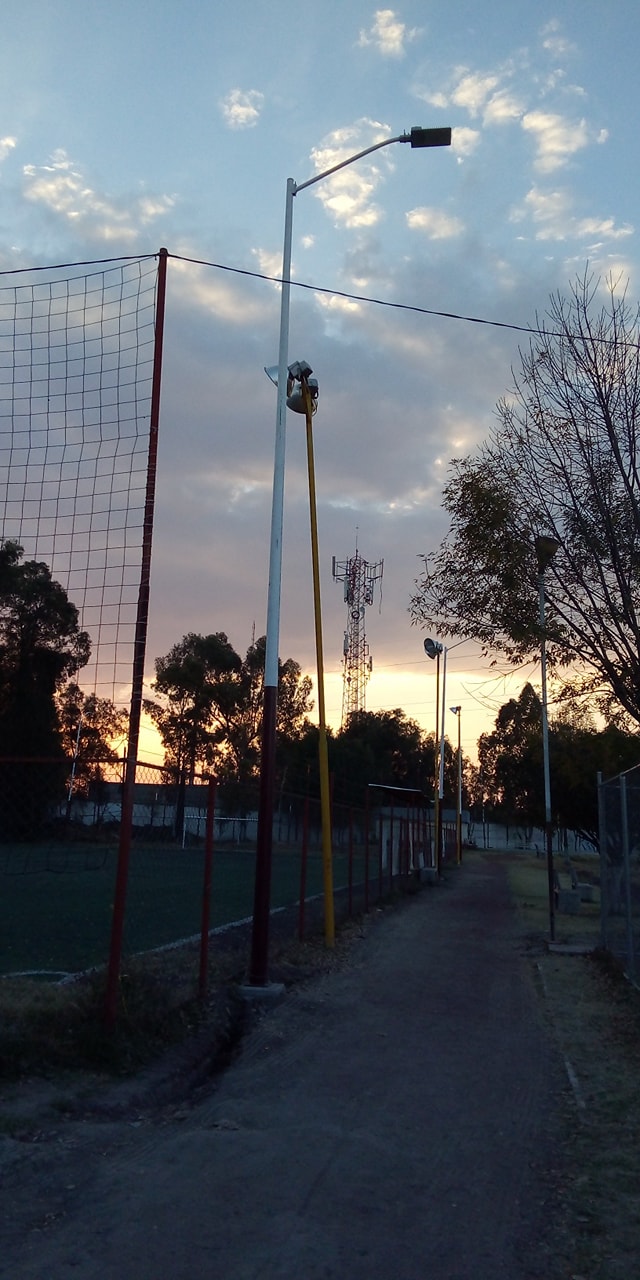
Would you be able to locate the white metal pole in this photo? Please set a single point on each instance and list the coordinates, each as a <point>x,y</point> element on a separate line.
<point>548,830</point>
<point>444,703</point>
<point>258,971</point>
<point>277,509</point>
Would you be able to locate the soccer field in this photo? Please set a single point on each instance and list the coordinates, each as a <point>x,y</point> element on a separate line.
<point>55,906</point>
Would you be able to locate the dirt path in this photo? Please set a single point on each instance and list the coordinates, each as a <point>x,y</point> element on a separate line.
<point>393,1119</point>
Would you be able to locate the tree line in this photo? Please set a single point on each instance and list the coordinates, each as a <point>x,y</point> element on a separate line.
<point>207,707</point>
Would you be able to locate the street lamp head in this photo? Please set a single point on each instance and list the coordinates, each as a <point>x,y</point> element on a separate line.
<point>419,137</point>
<point>432,647</point>
<point>546,547</point>
<point>456,710</point>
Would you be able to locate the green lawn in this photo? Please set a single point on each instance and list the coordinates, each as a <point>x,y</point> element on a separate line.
<point>55,904</point>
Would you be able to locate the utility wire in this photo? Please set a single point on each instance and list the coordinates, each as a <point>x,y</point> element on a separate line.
<point>315,288</point>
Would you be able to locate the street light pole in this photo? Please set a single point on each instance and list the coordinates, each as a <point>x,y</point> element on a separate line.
<point>433,649</point>
<point>456,711</point>
<point>546,548</point>
<point>258,969</point>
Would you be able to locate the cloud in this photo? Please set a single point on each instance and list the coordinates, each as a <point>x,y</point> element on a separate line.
<point>552,214</point>
<point>61,188</point>
<point>388,34</point>
<point>556,138</point>
<point>221,296</point>
<point>242,108</point>
<point>473,90</point>
<point>553,41</point>
<point>347,195</point>
<point>502,107</point>
<point>437,224</point>
<point>269,262</point>
<point>6,147</point>
<point>602,228</point>
<point>464,141</point>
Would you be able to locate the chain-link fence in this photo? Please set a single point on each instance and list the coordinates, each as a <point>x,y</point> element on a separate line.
<point>191,861</point>
<point>619,816</point>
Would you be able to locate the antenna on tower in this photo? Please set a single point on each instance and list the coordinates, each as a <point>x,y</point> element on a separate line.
<point>358,578</point>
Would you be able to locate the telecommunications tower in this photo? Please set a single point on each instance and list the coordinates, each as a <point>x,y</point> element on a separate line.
<point>358,578</point>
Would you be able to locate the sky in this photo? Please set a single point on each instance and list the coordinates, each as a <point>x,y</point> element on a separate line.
<point>128,127</point>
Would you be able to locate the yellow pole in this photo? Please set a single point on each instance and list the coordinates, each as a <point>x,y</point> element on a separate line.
<point>436,776</point>
<point>323,754</point>
<point>459,804</point>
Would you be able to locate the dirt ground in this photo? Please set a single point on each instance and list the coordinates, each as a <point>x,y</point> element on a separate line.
<point>449,1101</point>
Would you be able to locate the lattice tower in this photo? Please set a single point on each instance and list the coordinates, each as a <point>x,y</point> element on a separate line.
<point>359,579</point>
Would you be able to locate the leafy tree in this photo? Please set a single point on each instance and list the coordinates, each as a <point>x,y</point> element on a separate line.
<point>380,747</point>
<point>578,752</point>
<point>191,678</point>
<point>387,748</point>
<point>89,728</point>
<point>41,646</point>
<point>511,765</point>
<point>562,460</point>
<point>510,761</point>
<point>239,713</point>
<point>211,709</point>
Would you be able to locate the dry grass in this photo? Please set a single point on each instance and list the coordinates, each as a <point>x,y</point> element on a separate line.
<point>46,1028</point>
<point>595,1017</point>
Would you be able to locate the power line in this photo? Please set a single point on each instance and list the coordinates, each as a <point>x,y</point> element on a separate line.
<point>333,293</point>
<point>362,297</point>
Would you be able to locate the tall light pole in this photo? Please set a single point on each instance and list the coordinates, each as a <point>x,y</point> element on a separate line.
<point>457,712</point>
<point>258,971</point>
<point>305,400</point>
<point>546,548</point>
<point>433,649</point>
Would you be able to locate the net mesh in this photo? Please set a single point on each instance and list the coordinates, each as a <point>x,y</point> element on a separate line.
<point>76,365</point>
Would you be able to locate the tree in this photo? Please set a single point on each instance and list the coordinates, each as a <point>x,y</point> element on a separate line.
<point>211,712</point>
<point>578,753</point>
<point>563,460</point>
<point>191,678</point>
<point>89,728</point>
<point>41,646</point>
<point>510,761</point>
<point>511,768</point>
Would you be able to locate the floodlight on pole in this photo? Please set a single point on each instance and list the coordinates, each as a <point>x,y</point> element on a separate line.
<point>302,397</point>
<point>546,547</point>
<point>417,137</point>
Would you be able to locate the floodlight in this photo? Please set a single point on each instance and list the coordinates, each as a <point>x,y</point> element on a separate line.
<point>432,647</point>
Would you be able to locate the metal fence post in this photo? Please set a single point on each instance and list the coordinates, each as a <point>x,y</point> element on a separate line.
<point>206,888</point>
<point>627,876</point>
<point>604,871</point>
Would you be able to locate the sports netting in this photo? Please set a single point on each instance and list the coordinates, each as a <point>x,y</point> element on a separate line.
<point>76,365</point>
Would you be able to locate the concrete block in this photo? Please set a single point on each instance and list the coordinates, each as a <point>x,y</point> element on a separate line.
<point>428,875</point>
<point>569,902</point>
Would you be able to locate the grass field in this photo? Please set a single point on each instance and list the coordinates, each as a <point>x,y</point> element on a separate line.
<point>55,905</point>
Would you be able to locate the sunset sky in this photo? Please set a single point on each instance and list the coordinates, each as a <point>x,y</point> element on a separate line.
<point>137,125</point>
